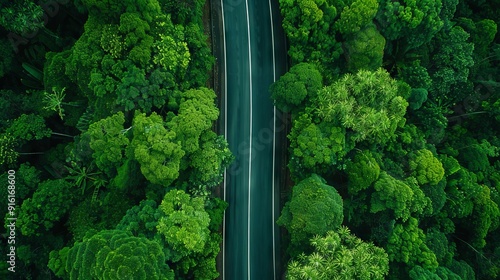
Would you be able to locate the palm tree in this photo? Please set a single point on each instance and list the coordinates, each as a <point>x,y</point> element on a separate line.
<point>83,175</point>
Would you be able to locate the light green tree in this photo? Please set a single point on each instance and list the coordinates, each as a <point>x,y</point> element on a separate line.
<point>426,168</point>
<point>108,140</point>
<point>406,244</point>
<point>156,149</point>
<point>368,103</point>
<point>184,224</point>
<point>340,255</point>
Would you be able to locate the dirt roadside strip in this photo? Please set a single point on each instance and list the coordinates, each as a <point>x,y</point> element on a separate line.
<point>212,23</point>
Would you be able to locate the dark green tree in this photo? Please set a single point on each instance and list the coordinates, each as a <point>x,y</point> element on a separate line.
<point>48,205</point>
<point>362,171</point>
<point>364,49</point>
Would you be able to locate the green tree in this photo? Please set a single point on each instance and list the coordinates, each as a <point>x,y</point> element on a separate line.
<point>413,23</point>
<point>108,140</point>
<point>364,49</point>
<point>21,16</point>
<point>315,208</point>
<point>362,171</point>
<point>451,62</point>
<point>391,193</point>
<point>484,218</point>
<point>115,254</point>
<point>8,153</point>
<point>296,89</point>
<point>184,224</point>
<point>314,148</point>
<point>340,255</point>
<point>426,168</point>
<point>48,205</point>
<point>406,244</point>
<point>28,127</point>
<point>209,162</point>
<point>156,150</point>
<point>196,115</point>
<point>308,25</point>
<point>417,98</point>
<point>130,56</point>
<point>368,103</point>
<point>356,16</point>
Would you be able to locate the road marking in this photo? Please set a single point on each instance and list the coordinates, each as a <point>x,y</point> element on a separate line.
<point>225,135</point>
<point>250,156</point>
<point>274,145</point>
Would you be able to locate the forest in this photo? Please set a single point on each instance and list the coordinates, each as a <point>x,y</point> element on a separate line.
<point>394,147</point>
<point>107,130</point>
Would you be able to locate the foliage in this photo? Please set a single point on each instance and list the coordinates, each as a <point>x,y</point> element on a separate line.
<point>407,245</point>
<point>364,49</point>
<point>340,255</point>
<point>195,116</point>
<point>141,220</point>
<point>296,88</point>
<point>108,140</point>
<point>426,168</point>
<point>391,193</point>
<point>21,17</point>
<point>485,216</point>
<point>356,16</point>
<point>452,60</point>
<point>184,224</point>
<point>315,208</point>
<point>7,57</point>
<point>8,154</point>
<point>368,103</point>
<point>155,148</point>
<point>49,203</point>
<point>308,26</point>
<point>314,148</point>
<point>210,160</point>
<point>412,22</point>
<point>417,98</point>
<point>362,171</point>
<point>115,254</point>
<point>28,127</point>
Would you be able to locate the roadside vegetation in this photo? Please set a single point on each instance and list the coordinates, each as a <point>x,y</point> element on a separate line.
<point>107,123</point>
<point>394,146</point>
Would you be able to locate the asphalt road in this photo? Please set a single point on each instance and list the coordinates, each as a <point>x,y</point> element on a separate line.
<point>254,56</point>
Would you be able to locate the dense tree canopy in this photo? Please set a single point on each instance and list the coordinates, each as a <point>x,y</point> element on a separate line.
<point>106,108</point>
<point>405,129</point>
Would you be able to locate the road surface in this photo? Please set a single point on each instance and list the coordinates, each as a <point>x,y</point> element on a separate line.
<point>253,57</point>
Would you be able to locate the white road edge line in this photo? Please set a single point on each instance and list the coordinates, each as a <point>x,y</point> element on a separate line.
<point>225,135</point>
<point>250,156</point>
<point>274,145</point>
